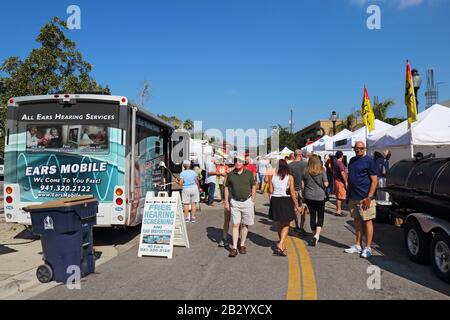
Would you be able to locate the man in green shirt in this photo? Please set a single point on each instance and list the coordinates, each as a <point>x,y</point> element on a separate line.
<point>240,193</point>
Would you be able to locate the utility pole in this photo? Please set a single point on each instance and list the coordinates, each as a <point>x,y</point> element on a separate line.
<point>290,122</point>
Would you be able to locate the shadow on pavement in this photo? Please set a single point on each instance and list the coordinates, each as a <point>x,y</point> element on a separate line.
<point>26,234</point>
<point>6,250</point>
<point>111,236</point>
<point>388,241</point>
<point>332,242</point>
<point>260,240</point>
<point>214,234</point>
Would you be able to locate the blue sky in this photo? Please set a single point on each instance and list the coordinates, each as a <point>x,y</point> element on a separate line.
<point>245,63</point>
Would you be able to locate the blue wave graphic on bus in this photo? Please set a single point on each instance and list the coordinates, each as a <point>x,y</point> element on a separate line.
<point>103,190</point>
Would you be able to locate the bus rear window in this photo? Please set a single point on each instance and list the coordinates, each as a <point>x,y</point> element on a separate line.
<point>67,138</point>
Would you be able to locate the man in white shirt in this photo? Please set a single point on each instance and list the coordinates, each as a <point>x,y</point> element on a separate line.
<point>211,177</point>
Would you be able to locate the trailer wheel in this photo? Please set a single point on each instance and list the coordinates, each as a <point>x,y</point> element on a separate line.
<point>417,242</point>
<point>44,273</point>
<point>440,255</point>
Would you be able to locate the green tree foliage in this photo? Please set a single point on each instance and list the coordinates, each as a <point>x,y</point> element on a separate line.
<point>178,123</point>
<point>188,124</point>
<point>174,121</point>
<point>286,139</point>
<point>381,109</point>
<point>349,123</point>
<point>55,66</point>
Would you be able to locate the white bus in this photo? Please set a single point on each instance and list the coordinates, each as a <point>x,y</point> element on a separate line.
<point>65,145</point>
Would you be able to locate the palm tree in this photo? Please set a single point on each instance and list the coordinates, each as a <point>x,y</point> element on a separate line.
<point>381,109</point>
<point>348,123</point>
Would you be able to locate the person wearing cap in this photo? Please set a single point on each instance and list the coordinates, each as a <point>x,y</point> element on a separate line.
<point>191,190</point>
<point>240,193</point>
<point>340,182</point>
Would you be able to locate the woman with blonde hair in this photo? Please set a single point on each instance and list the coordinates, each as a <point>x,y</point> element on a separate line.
<point>314,184</point>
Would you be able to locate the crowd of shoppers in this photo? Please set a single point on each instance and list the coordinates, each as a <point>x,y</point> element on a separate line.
<point>297,186</point>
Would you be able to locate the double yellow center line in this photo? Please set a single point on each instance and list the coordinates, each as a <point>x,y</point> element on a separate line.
<point>301,279</point>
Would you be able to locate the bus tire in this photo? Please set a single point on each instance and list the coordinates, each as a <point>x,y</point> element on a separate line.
<point>440,255</point>
<point>417,242</point>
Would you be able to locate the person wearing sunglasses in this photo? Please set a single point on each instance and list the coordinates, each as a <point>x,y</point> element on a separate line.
<point>362,185</point>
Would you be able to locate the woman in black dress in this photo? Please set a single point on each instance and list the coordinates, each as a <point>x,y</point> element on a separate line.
<point>283,204</point>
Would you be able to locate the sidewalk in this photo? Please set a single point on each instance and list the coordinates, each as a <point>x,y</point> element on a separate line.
<point>21,254</point>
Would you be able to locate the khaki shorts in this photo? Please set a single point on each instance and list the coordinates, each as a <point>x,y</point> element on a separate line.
<point>190,195</point>
<point>357,211</point>
<point>242,212</point>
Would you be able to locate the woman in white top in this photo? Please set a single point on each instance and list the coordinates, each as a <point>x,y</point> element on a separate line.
<point>283,204</point>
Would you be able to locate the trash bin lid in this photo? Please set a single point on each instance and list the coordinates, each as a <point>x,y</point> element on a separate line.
<point>63,203</point>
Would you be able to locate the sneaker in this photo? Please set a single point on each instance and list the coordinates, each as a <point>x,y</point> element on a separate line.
<point>367,253</point>
<point>187,219</point>
<point>314,241</point>
<point>223,243</point>
<point>194,219</point>
<point>354,249</point>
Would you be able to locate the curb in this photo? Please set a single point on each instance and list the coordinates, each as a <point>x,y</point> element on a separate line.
<point>23,282</point>
<point>18,283</point>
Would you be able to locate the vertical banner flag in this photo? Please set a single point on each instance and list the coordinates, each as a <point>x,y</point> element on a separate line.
<point>367,112</point>
<point>410,98</point>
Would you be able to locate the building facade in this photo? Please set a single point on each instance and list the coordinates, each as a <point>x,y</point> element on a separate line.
<point>315,131</point>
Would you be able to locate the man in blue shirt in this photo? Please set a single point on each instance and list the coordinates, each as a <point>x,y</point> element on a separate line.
<point>362,185</point>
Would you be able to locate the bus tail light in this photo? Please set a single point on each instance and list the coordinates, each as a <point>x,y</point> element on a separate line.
<point>11,200</point>
<point>119,195</point>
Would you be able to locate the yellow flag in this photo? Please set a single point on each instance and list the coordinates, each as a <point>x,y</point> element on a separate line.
<point>410,98</point>
<point>367,112</point>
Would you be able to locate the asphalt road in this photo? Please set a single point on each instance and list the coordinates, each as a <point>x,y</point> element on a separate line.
<point>205,272</point>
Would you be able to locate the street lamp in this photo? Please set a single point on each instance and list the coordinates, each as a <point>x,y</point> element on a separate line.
<point>417,81</point>
<point>333,119</point>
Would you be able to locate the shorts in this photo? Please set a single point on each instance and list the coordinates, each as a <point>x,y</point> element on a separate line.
<point>190,195</point>
<point>357,211</point>
<point>339,190</point>
<point>242,212</point>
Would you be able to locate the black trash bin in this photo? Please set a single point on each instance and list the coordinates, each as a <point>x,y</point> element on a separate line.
<point>66,230</point>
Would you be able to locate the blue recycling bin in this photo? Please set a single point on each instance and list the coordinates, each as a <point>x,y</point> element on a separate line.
<point>66,230</point>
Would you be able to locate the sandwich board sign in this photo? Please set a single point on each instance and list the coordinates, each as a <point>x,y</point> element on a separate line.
<point>163,225</point>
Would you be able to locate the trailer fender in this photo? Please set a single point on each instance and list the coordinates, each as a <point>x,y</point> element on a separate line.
<point>428,222</point>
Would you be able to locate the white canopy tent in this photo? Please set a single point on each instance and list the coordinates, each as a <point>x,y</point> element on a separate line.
<point>309,147</point>
<point>347,143</point>
<point>286,152</point>
<point>430,134</point>
<point>327,145</point>
<point>274,155</point>
<point>199,151</point>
